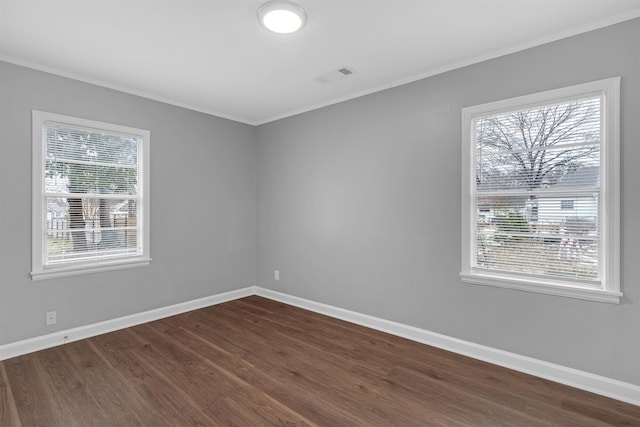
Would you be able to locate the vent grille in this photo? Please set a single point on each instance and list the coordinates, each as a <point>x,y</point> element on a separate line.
<point>335,75</point>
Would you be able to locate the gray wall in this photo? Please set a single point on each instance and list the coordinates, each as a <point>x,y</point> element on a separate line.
<point>359,207</point>
<point>203,207</point>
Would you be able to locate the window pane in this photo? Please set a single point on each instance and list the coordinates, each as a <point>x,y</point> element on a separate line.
<point>90,228</point>
<point>544,169</point>
<point>534,235</point>
<point>537,190</point>
<point>575,122</point>
<point>93,178</point>
<point>67,143</point>
<point>91,162</point>
<point>102,165</point>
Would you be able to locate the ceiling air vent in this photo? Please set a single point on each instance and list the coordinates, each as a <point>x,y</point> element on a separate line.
<point>335,75</point>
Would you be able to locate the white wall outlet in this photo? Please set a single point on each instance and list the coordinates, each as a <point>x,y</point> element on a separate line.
<point>276,274</point>
<point>52,318</point>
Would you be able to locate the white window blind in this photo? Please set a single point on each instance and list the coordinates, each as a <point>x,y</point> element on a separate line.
<point>89,201</point>
<point>527,163</point>
<point>541,186</point>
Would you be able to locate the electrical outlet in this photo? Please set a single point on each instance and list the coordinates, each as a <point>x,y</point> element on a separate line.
<point>52,318</point>
<point>276,274</point>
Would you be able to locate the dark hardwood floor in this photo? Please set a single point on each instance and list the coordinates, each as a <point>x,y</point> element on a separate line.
<point>257,362</point>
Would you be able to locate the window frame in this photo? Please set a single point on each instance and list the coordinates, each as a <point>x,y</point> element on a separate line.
<point>609,212</point>
<point>39,270</point>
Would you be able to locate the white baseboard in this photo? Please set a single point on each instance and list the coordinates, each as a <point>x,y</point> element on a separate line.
<point>609,387</point>
<point>605,386</point>
<point>30,345</point>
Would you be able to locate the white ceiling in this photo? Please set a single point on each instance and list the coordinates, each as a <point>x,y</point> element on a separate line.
<point>212,56</point>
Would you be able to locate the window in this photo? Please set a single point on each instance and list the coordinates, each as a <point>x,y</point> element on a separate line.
<point>540,192</point>
<point>90,196</point>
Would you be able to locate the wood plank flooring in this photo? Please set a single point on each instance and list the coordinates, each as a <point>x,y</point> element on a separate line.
<point>257,362</point>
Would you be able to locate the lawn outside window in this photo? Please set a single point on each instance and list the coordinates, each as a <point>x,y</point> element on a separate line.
<point>540,192</point>
<point>90,196</point>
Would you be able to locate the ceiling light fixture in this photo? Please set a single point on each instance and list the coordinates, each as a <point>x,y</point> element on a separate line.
<point>282,16</point>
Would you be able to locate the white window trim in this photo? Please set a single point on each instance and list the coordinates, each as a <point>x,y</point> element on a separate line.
<point>39,270</point>
<point>610,192</point>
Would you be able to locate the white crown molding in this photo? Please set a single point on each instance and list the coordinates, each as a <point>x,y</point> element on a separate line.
<point>598,384</point>
<point>612,20</point>
<point>626,16</point>
<point>119,88</point>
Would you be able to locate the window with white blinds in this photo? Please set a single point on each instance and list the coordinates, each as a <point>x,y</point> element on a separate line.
<point>90,196</point>
<point>541,190</point>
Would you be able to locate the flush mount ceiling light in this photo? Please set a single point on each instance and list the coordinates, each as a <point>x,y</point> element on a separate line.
<point>282,16</point>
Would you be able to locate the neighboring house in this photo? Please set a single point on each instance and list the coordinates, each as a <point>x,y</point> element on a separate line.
<point>567,208</point>
<point>553,209</point>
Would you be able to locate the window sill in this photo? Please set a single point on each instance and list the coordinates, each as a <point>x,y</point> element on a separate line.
<point>76,270</point>
<point>563,290</point>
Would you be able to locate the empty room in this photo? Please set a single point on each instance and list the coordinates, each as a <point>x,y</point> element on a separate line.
<point>319,213</point>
